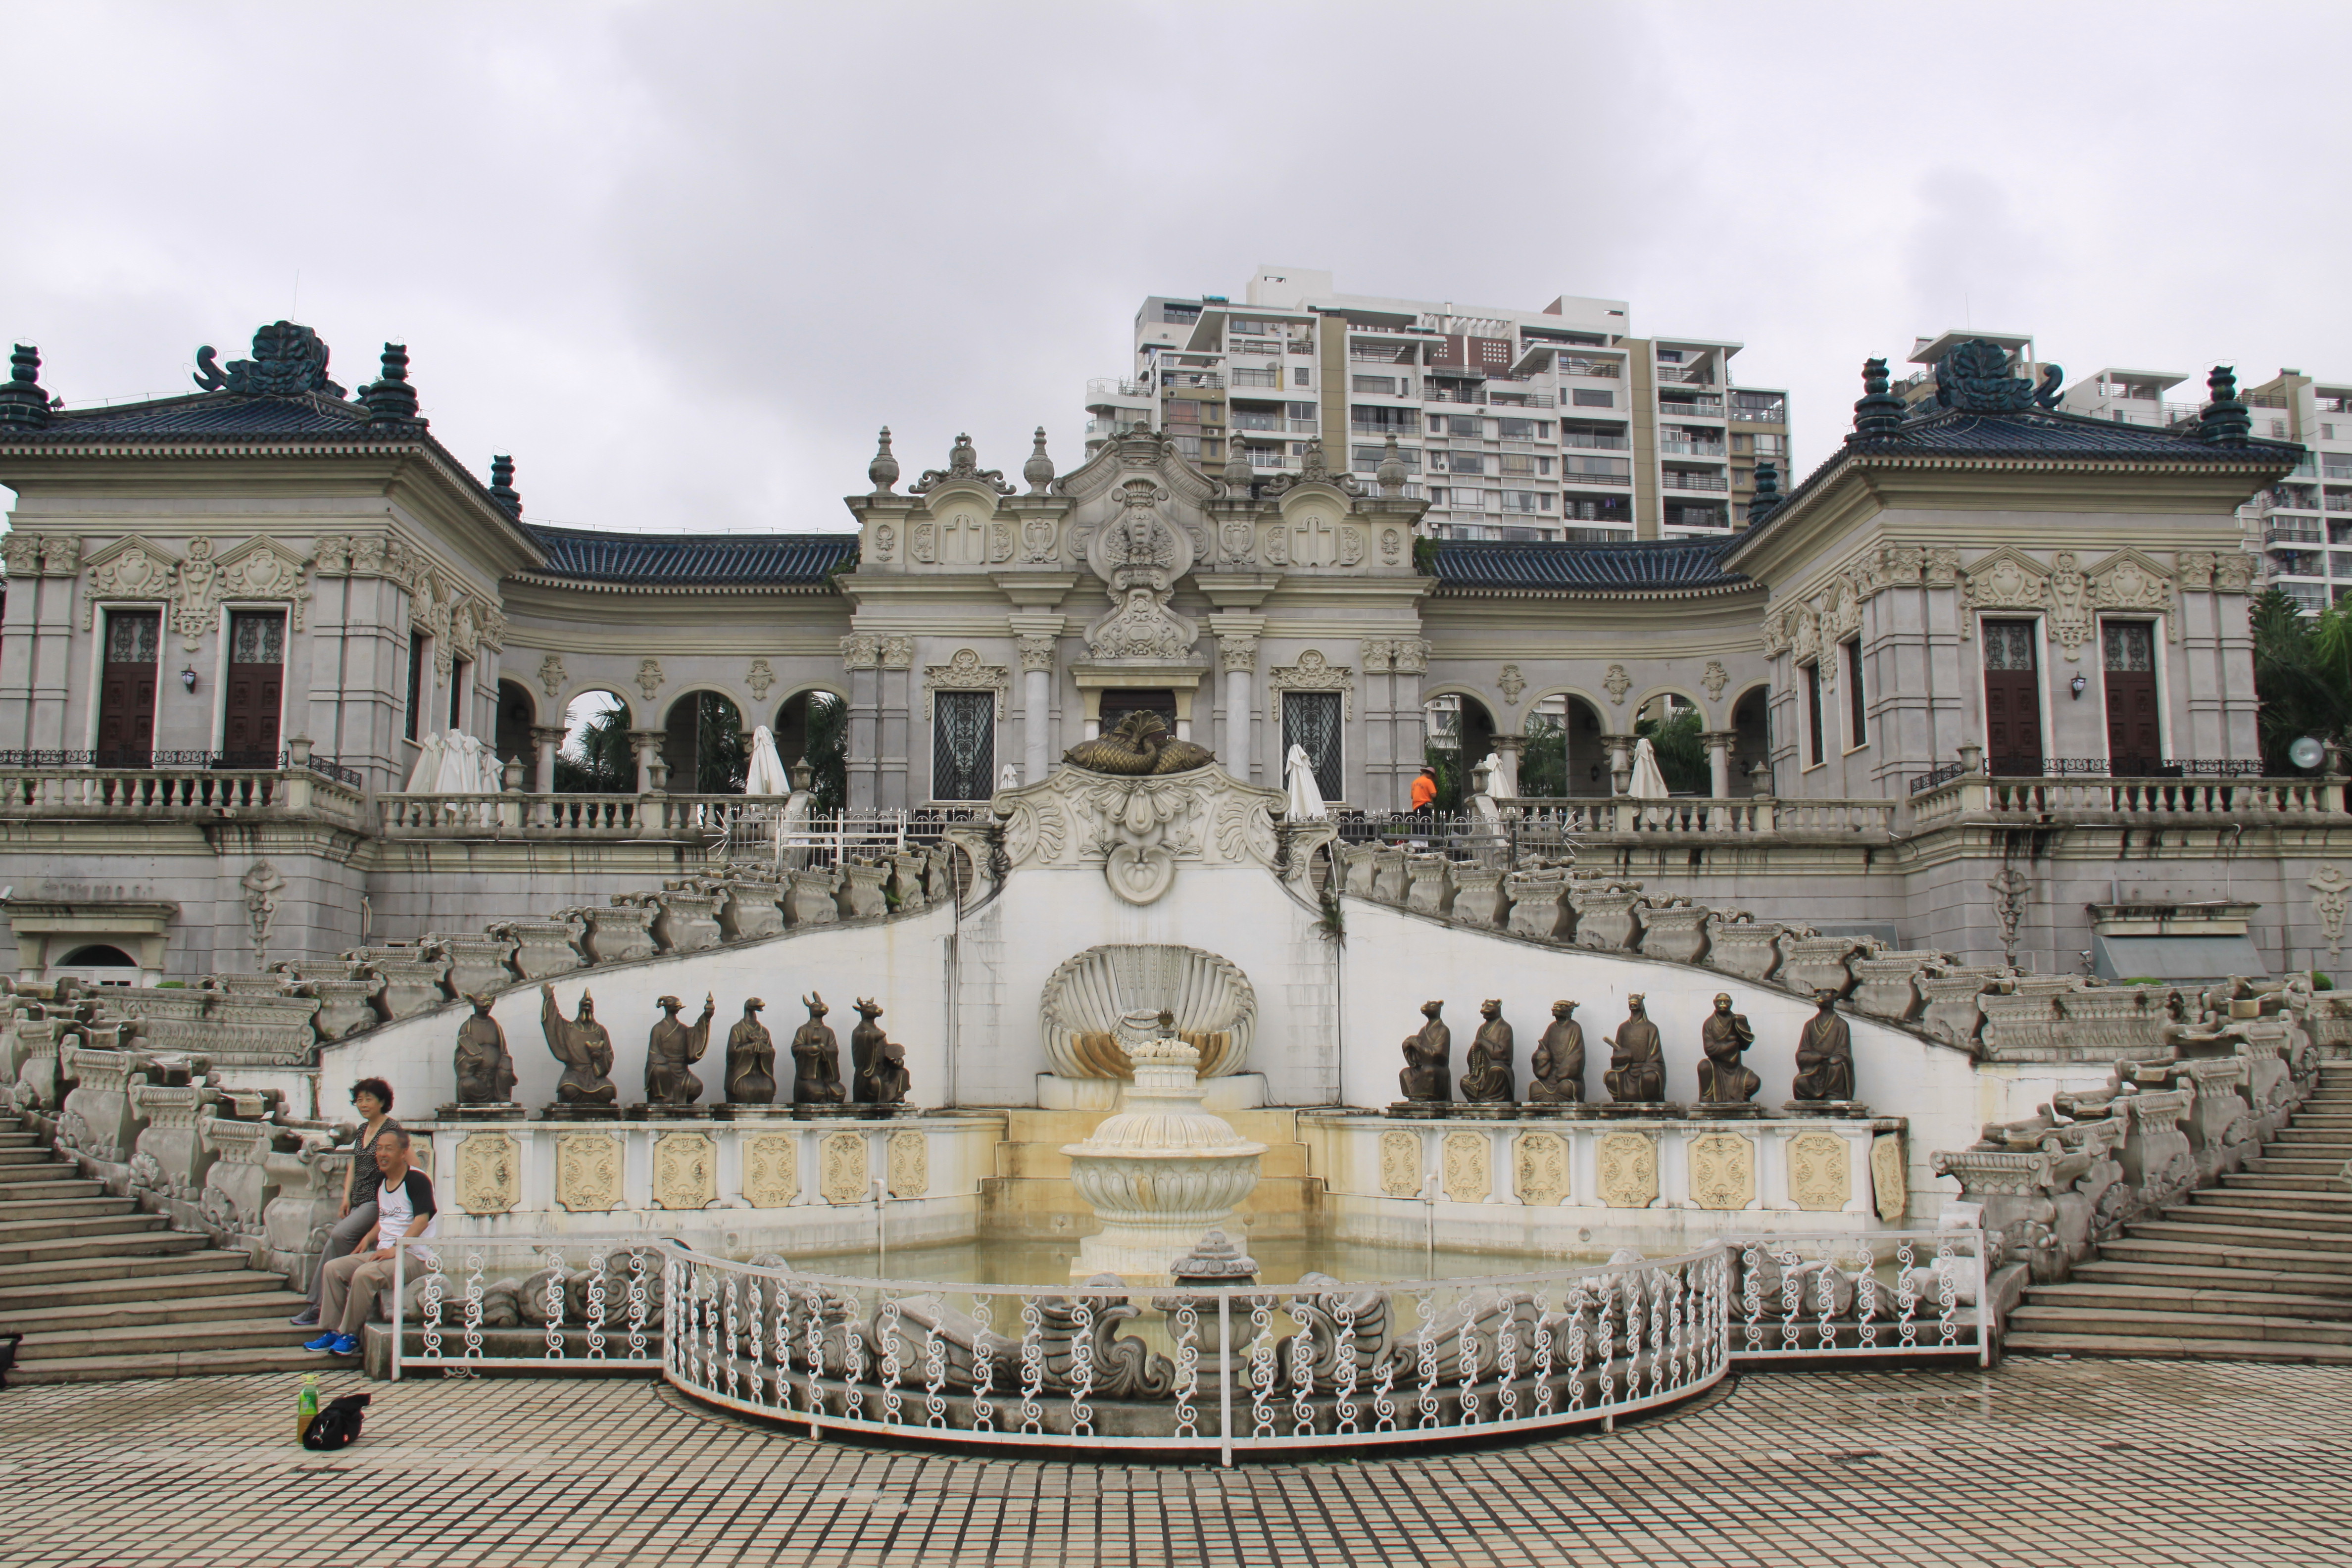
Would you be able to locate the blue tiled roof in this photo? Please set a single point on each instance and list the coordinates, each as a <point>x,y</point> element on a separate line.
<point>2039,433</point>
<point>1633,567</point>
<point>594,555</point>
<point>207,416</point>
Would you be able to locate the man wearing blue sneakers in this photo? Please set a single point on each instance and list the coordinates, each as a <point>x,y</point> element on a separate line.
<point>405,1215</point>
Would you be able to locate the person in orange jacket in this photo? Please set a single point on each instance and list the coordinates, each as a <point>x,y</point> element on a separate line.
<point>1424,790</point>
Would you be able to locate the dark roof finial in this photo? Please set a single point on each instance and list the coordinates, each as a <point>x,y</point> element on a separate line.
<point>289,360</point>
<point>1878,412</point>
<point>1039,470</point>
<point>502,488</point>
<point>2224,421</point>
<point>883,471</point>
<point>391,401</point>
<point>1768,497</point>
<point>23,405</point>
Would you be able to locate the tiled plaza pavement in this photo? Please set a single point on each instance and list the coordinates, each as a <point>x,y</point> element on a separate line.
<point>2077,1463</point>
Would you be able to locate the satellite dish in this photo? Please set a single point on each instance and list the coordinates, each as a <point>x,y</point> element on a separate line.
<point>2306,753</point>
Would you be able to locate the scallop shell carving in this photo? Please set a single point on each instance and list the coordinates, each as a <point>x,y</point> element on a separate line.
<point>1214,1008</point>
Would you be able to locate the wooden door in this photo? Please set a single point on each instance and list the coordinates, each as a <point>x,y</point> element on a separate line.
<point>256,689</point>
<point>126,702</point>
<point>2135,739</point>
<point>2012,675</point>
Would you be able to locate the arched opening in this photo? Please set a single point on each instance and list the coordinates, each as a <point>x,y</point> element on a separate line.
<point>1459,733</point>
<point>1751,721</point>
<point>704,746</point>
<point>813,727</point>
<point>99,963</point>
<point>517,714</point>
<point>1673,725</point>
<point>596,757</point>
<point>1564,755</point>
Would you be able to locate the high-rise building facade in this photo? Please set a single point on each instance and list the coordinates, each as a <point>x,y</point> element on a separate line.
<point>1558,424</point>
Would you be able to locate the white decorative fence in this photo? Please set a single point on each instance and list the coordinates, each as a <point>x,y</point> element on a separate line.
<point>1237,1368</point>
<point>1913,1293</point>
<point>518,1303</point>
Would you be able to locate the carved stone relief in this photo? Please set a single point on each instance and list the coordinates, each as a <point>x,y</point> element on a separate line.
<point>861,650</point>
<point>841,1169</point>
<point>909,1164</point>
<point>1037,651</point>
<point>1400,1163</point>
<point>649,677</point>
<point>897,651</point>
<point>2331,891</point>
<point>551,675</point>
<point>489,1173</point>
<point>1714,678</point>
<point>1510,682</point>
<point>685,1171</point>
<point>1627,1166</point>
<point>1313,672</point>
<point>771,1169</point>
<point>1820,1179</point>
<point>964,672</point>
<point>1617,683</point>
<point>758,678</point>
<point>1722,1171</point>
<point>127,568</point>
<point>1467,1165</point>
<point>1539,1165</point>
<point>587,1171</point>
<point>1889,1181</point>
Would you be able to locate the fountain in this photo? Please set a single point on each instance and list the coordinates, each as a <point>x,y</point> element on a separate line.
<point>1165,1169</point>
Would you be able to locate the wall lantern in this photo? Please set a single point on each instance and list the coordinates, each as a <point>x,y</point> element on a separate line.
<point>2076,685</point>
<point>188,676</point>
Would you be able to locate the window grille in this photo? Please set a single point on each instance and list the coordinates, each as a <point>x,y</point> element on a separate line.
<point>963,745</point>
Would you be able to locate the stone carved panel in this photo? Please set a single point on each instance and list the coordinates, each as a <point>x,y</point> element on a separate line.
<point>1890,1183</point>
<point>1627,1165</point>
<point>1468,1165</point>
<point>1072,817</point>
<point>841,1169</point>
<point>1400,1163</point>
<point>771,1169</point>
<point>758,678</point>
<point>964,672</point>
<point>649,677</point>
<point>551,675</point>
<point>1617,683</point>
<point>1510,682</point>
<point>909,1164</point>
<point>1313,672</point>
<point>127,568</point>
<point>1722,1171</point>
<point>685,1171</point>
<point>2331,894</point>
<point>489,1173</point>
<point>1820,1180</point>
<point>587,1171</point>
<point>1715,677</point>
<point>1539,1168</point>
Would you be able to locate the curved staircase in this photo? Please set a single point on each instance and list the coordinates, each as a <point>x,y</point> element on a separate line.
<point>2256,1268</point>
<point>98,1289</point>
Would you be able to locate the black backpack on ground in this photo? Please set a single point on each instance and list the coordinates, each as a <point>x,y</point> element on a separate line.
<point>338,1426</point>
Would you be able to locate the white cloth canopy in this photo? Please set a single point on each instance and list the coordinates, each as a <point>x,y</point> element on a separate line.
<point>765,774</point>
<point>1306,799</point>
<point>1648,783</point>
<point>425,778</point>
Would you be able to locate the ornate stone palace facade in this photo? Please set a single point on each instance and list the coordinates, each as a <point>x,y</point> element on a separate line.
<point>1981,683</point>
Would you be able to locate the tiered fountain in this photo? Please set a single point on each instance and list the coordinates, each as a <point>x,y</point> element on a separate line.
<point>1165,1169</point>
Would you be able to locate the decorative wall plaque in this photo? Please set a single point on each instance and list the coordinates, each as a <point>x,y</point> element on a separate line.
<point>685,1171</point>
<point>587,1171</point>
<point>1818,1177</point>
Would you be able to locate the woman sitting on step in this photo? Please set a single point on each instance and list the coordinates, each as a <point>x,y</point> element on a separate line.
<point>357,1217</point>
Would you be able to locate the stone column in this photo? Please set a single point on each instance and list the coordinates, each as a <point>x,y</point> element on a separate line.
<point>647,744</point>
<point>894,758</point>
<point>1719,744</point>
<point>861,657</point>
<point>1508,749</point>
<point>548,738</point>
<point>1411,660</point>
<point>1237,635</point>
<point>1036,703</point>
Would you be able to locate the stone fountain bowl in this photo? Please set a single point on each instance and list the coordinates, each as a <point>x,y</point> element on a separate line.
<point>1214,1008</point>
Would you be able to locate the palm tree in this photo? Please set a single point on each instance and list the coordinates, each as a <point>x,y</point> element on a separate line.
<point>2303,675</point>
<point>600,758</point>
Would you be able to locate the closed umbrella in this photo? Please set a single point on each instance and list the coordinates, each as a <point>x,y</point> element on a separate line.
<point>425,778</point>
<point>1306,799</point>
<point>765,775</point>
<point>1648,783</point>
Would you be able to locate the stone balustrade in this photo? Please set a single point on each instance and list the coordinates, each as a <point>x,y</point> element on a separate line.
<point>1749,816</point>
<point>178,794</point>
<point>1980,797</point>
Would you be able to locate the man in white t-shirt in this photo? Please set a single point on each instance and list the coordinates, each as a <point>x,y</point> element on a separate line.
<point>404,1217</point>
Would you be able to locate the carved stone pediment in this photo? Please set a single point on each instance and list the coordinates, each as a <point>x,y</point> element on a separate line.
<point>2129,580</point>
<point>261,568</point>
<point>1141,831</point>
<point>130,568</point>
<point>962,672</point>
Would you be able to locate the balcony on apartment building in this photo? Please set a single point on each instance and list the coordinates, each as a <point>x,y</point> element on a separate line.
<point>1694,479</point>
<point>1683,445</point>
<point>1690,405</point>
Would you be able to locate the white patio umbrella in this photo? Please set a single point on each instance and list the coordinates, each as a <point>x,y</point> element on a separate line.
<point>494,772</point>
<point>1647,782</point>
<point>1306,799</point>
<point>425,776</point>
<point>765,774</point>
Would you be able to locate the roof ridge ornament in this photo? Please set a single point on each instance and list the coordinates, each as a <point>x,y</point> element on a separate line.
<point>1974,378</point>
<point>502,488</point>
<point>23,405</point>
<point>1878,412</point>
<point>391,401</point>
<point>883,471</point>
<point>1390,475</point>
<point>289,360</point>
<point>1039,470</point>
<point>1239,475</point>
<point>1768,497</point>
<point>964,463</point>
<point>2224,420</point>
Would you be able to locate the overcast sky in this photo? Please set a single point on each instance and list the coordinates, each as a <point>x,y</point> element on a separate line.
<point>681,261</point>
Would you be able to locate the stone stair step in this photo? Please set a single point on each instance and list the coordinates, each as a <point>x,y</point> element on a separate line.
<point>59,1187</point>
<point>122,1268</point>
<point>176,1285</point>
<point>124,1220</point>
<point>29,1154</point>
<point>109,1244</point>
<point>175,1363</point>
<point>16,1213</point>
<point>2330,1120</point>
<point>2224,1230</point>
<point>260,1303</point>
<point>2186,1301</point>
<point>2300,1138</point>
<point>2173,1347</point>
<point>2299,1220</point>
<point>2294,1163</point>
<point>2320,1190</point>
<point>2033,1317</point>
<point>2107,1270</point>
<point>20,1140</point>
<point>2226,1250</point>
<point>271,1333</point>
<point>58,1171</point>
